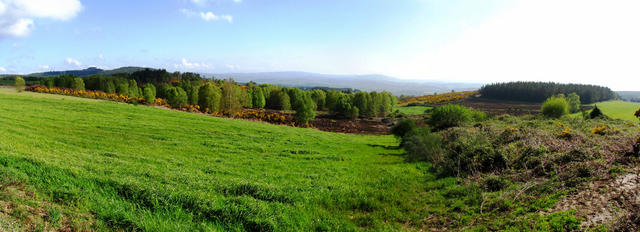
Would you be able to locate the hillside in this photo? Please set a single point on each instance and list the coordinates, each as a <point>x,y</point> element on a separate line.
<point>361,82</point>
<point>144,168</point>
<point>84,164</point>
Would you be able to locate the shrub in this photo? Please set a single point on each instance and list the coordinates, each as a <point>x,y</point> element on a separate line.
<point>176,97</point>
<point>555,107</point>
<point>19,84</point>
<point>450,116</point>
<point>493,183</point>
<point>319,98</point>
<point>209,98</point>
<point>421,144</point>
<point>402,127</point>
<point>596,113</point>
<point>600,130</point>
<point>468,153</point>
<point>478,116</point>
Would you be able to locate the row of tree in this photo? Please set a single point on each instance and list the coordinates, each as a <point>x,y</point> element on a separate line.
<point>226,96</point>
<point>540,91</point>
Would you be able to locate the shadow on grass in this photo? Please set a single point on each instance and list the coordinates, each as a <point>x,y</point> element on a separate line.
<point>385,146</point>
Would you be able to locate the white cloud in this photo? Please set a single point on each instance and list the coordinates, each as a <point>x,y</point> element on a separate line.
<point>184,64</point>
<point>229,18</point>
<point>44,67</point>
<point>72,61</point>
<point>3,69</point>
<point>582,41</point>
<point>188,13</point>
<point>209,16</point>
<point>17,16</point>
<point>101,57</point>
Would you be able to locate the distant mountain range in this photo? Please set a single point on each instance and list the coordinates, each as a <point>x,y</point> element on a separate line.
<point>87,72</point>
<point>370,82</point>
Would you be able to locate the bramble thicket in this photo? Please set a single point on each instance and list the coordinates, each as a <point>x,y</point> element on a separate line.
<point>221,97</point>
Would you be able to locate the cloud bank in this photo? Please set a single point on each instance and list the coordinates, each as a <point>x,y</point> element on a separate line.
<point>17,18</point>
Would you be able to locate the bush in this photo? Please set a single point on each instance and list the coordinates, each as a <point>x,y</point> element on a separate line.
<point>423,145</point>
<point>403,127</point>
<point>450,116</point>
<point>469,153</point>
<point>19,84</point>
<point>176,97</point>
<point>555,107</point>
<point>596,113</point>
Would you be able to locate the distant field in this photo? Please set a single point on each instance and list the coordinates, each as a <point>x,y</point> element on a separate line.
<point>105,165</point>
<point>411,110</point>
<point>618,109</point>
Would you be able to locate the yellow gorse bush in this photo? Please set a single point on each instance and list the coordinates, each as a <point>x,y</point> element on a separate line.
<point>445,97</point>
<point>599,129</point>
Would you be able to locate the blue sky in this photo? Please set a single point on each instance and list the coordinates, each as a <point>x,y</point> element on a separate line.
<point>454,40</point>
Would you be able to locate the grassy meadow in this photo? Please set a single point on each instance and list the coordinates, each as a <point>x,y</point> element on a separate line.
<point>618,109</point>
<point>103,165</point>
<point>411,110</point>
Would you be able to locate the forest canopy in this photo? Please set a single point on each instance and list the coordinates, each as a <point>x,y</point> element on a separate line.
<point>540,91</point>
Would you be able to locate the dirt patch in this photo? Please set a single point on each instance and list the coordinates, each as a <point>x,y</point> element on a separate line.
<point>604,201</point>
<point>377,126</point>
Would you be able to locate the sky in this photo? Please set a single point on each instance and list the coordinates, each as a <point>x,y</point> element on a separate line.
<point>577,41</point>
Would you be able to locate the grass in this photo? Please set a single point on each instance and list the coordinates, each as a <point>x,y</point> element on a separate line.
<point>69,163</point>
<point>618,109</point>
<point>144,168</point>
<point>411,110</point>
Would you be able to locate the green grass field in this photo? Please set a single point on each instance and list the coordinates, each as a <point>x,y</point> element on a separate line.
<point>411,110</point>
<point>108,165</point>
<point>618,109</point>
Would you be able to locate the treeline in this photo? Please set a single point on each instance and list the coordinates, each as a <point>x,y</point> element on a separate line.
<point>540,91</point>
<point>228,97</point>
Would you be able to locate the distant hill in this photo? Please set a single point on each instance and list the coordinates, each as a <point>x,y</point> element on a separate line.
<point>633,96</point>
<point>87,72</point>
<point>361,82</point>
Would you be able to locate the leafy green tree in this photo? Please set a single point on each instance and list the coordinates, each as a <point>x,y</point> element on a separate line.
<point>109,87</point>
<point>332,100</point>
<point>134,91</point>
<point>304,109</point>
<point>161,90</point>
<point>245,97</point>
<point>123,88</point>
<point>258,98</point>
<point>574,102</point>
<point>149,93</point>
<point>319,98</point>
<point>230,101</point>
<point>191,88</point>
<point>361,100</point>
<point>176,97</point>
<point>19,84</point>
<point>209,98</point>
<point>78,84</point>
